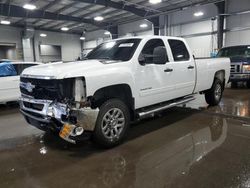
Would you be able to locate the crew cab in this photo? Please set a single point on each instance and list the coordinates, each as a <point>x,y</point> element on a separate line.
<point>240,63</point>
<point>9,79</point>
<point>118,82</point>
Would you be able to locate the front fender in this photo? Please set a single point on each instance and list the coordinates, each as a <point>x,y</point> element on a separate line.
<point>96,81</point>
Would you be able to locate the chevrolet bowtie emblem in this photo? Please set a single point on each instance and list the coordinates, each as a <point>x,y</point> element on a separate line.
<point>28,86</point>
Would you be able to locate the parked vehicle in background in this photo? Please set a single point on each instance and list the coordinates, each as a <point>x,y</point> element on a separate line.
<point>10,77</point>
<point>118,82</point>
<point>240,63</point>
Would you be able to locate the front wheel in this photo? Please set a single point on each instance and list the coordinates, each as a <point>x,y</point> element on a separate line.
<point>214,95</point>
<point>112,123</point>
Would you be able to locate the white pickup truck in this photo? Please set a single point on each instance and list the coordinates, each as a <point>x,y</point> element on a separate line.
<point>118,82</point>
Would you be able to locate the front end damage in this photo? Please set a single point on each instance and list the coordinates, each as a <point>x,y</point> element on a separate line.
<point>52,105</point>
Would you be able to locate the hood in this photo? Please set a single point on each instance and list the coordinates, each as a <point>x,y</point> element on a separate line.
<point>238,59</point>
<point>64,70</point>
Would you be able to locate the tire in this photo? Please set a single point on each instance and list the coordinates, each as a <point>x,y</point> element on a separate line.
<point>214,95</point>
<point>248,84</point>
<point>234,84</point>
<point>112,123</point>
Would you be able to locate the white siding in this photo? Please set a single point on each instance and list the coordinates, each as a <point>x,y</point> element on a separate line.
<point>134,28</point>
<point>12,35</point>
<point>238,22</point>
<point>202,46</point>
<point>70,44</point>
<point>190,30</point>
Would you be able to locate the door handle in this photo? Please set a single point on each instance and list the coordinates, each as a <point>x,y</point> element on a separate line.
<point>168,70</point>
<point>190,67</point>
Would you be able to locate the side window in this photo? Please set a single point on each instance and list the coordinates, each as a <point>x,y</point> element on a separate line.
<point>154,52</point>
<point>7,69</point>
<point>179,50</point>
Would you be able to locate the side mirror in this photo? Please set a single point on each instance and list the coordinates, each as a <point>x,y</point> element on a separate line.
<point>160,55</point>
<point>142,60</point>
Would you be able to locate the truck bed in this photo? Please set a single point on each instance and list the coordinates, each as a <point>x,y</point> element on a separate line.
<point>206,69</point>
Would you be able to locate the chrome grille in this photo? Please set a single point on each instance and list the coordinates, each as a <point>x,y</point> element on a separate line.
<point>46,89</point>
<point>235,68</point>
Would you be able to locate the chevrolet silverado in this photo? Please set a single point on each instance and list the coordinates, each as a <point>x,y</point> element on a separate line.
<point>118,82</point>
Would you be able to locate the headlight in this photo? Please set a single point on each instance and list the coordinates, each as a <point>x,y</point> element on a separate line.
<point>50,111</point>
<point>246,68</point>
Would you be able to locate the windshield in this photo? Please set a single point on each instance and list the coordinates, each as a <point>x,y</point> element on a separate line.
<point>122,50</point>
<point>236,51</point>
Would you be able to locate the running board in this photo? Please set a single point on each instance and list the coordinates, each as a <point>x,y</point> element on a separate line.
<point>166,106</point>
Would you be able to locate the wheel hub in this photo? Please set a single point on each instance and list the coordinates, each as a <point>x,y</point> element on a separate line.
<point>113,123</point>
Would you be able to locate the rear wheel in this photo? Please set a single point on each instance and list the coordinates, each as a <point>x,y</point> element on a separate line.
<point>214,95</point>
<point>112,123</point>
<point>248,84</point>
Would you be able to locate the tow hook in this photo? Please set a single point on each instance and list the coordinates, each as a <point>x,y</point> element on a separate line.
<point>69,130</point>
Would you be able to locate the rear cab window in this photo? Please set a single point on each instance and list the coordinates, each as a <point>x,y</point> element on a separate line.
<point>179,50</point>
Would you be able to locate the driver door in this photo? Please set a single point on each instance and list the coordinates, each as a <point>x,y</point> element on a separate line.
<point>154,80</point>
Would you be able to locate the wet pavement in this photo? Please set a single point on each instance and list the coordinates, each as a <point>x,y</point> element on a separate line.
<point>235,103</point>
<point>197,146</point>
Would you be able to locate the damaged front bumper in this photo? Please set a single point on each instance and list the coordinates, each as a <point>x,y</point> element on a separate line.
<point>69,122</point>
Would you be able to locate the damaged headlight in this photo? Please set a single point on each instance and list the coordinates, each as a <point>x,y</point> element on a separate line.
<point>50,111</point>
<point>56,110</point>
